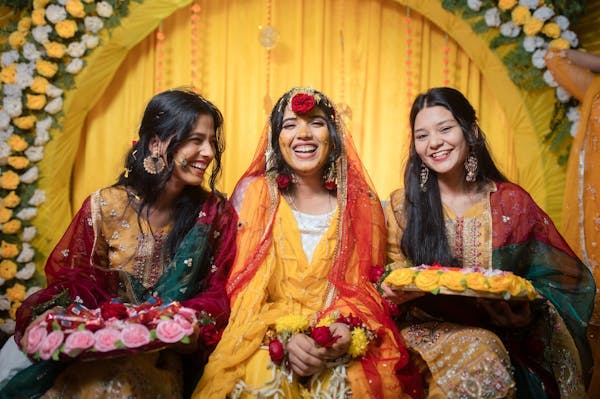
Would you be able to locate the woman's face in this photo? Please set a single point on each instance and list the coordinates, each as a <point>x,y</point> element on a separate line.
<point>304,141</point>
<point>440,141</point>
<point>195,153</point>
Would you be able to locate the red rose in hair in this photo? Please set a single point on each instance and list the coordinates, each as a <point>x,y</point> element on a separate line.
<point>276,351</point>
<point>283,181</point>
<point>302,103</point>
<point>322,336</point>
<point>114,309</point>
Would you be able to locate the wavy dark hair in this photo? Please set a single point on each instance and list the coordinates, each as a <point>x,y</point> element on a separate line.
<point>424,240</point>
<point>278,164</point>
<point>171,116</point>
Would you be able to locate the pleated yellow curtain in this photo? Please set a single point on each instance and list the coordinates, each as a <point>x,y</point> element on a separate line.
<point>353,50</point>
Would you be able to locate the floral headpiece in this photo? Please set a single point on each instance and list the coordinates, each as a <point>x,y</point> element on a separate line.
<point>304,99</point>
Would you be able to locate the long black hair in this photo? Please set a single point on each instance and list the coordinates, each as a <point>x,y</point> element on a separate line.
<point>278,164</point>
<point>424,240</point>
<point>171,116</point>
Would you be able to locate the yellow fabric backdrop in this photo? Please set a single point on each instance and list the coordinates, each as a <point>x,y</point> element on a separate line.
<point>369,75</point>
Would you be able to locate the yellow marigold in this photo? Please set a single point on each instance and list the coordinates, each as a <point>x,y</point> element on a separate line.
<point>25,122</point>
<point>46,68</point>
<point>517,287</point>
<point>24,25</point>
<point>16,40</point>
<point>9,180</point>
<point>66,29</point>
<point>8,250</point>
<point>38,17</point>
<point>18,162</point>
<point>5,214</point>
<point>560,43</point>
<point>453,280</point>
<point>40,3</point>
<point>520,14</point>
<point>11,201</point>
<point>358,342</point>
<point>500,283</point>
<point>8,269</point>
<point>39,85</point>
<point>36,101</point>
<point>476,281</point>
<point>327,320</point>
<point>532,26</point>
<point>13,309</point>
<point>401,277</point>
<point>9,73</point>
<point>292,323</point>
<point>17,143</point>
<point>552,30</point>
<point>75,8</point>
<point>506,4</point>
<point>16,292</point>
<point>55,50</point>
<point>530,290</point>
<point>11,227</point>
<point>428,280</point>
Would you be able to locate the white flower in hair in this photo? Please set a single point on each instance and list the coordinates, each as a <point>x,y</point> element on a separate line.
<point>54,106</point>
<point>571,37</point>
<point>53,91</point>
<point>40,33</point>
<point>93,24</point>
<point>574,128</point>
<point>5,152</point>
<point>31,175</point>
<point>531,4</point>
<point>76,49</point>
<point>32,290</point>
<point>26,214</point>
<point>9,57</point>
<point>44,124</point>
<point>90,41</point>
<point>28,233</point>
<point>573,114</point>
<point>104,9</point>
<point>4,119</point>
<point>26,272</point>
<point>509,29</point>
<point>537,59</point>
<point>8,326</point>
<point>562,95</point>
<point>35,153</point>
<point>13,106</point>
<point>549,79</point>
<point>474,5</point>
<point>492,17</point>
<point>41,137</point>
<point>38,198</point>
<point>31,52</point>
<point>24,75</point>
<point>26,254</point>
<point>55,14</point>
<point>75,66</point>
<point>543,13</point>
<point>530,43</point>
<point>562,22</point>
<point>12,90</point>
<point>4,302</point>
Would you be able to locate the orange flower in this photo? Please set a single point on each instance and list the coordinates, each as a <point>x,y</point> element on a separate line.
<point>36,101</point>
<point>10,201</point>
<point>46,68</point>
<point>25,122</point>
<point>428,280</point>
<point>55,50</point>
<point>66,29</point>
<point>13,309</point>
<point>40,3</point>
<point>11,227</point>
<point>17,143</point>
<point>8,74</point>
<point>16,40</point>
<point>520,14</point>
<point>453,280</point>
<point>16,293</point>
<point>18,162</point>
<point>8,250</point>
<point>532,26</point>
<point>24,25</point>
<point>8,269</point>
<point>506,4</point>
<point>552,30</point>
<point>39,85</point>
<point>401,277</point>
<point>560,43</point>
<point>75,8</point>
<point>9,180</point>
<point>38,16</point>
<point>5,214</point>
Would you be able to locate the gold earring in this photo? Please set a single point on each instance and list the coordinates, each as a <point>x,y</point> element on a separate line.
<point>471,166</point>
<point>423,177</point>
<point>154,164</point>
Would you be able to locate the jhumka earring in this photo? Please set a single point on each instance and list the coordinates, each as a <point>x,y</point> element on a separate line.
<point>154,164</point>
<point>329,180</point>
<point>471,166</point>
<point>423,177</point>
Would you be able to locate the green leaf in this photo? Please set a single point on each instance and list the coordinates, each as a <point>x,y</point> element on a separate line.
<point>436,291</point>
<point>185,340</point>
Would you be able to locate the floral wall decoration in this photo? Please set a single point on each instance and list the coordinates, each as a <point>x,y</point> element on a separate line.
<point>522,31</point>
<point>44,48</point>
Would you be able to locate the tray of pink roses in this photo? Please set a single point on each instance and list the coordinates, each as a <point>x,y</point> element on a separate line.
<point>116,329</point>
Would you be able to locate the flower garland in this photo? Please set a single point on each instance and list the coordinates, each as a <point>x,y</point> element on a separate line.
<point>531,26</point>
<point>42,52</point>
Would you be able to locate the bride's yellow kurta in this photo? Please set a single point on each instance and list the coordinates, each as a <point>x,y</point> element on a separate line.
<point>286,283</point>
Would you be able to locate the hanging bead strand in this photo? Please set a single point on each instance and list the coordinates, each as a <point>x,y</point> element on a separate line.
<point>195,10</point>
<point>159,47</point>
<point>408,61</point>
<point>446,62</point>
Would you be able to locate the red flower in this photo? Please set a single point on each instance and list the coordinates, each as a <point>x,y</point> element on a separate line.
<point>375,273</point>
<point>302,103</point>
<point>114,309</point>
<point>330,185</point>
<point>322,336</point>
<point>351,320</point>
<point>276,351</point>
<point>283,181</point>
<point>209,334</point>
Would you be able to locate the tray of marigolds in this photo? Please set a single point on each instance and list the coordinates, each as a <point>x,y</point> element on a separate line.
<point>475,282</point>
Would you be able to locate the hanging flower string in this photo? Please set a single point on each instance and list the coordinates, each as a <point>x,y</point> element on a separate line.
<point>45,49</point>
<point>446,61</point>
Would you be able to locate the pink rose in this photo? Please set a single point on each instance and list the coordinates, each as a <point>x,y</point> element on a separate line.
<point>51,343</point>
<point>135,335</point>
<point>169,331</point>
<point>35,336</point>
<point>188,327</point>
<point>78,341</point>
<point>106,339</point>
<point>188,313</point>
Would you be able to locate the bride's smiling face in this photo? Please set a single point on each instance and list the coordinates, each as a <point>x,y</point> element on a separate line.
<point>304,141</point>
